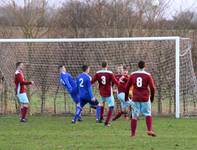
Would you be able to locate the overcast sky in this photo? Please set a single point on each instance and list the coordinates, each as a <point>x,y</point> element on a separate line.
<point>178,5</point>
<point>175,6</point>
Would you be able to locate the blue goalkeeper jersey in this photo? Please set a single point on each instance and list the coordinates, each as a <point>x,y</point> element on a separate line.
<point>68,82</point>
<point>84,86</point>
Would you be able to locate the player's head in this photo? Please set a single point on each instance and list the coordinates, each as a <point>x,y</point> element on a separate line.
<point>104,64</point>
<point>119,69</point>
<point>86,68</point>
<point>125,70</point>
<point>62,68</point>
<point>141,64</point>
<point>19,65</point>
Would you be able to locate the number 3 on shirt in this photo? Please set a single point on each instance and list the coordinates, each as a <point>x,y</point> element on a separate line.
<point>139,82</point>
<point>103,78</point>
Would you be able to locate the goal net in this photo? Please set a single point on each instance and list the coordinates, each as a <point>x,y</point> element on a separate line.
<point>168,59</point>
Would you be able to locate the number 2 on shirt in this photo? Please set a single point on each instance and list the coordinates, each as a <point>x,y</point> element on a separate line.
<point>139,82</point>
<point>103,78</point>
<point>81,82</point>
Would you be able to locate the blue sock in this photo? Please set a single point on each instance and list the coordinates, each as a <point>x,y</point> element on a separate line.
<point>111,108</point>
<point>77,114</point>
<point>98,109</point>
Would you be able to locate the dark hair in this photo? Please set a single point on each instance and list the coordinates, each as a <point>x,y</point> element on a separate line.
<point>141,64</point>
<point>104,64</point>
<point>18,64</point>
<point>84,68</point>
<point>60,66</point>
<point>125,67</point>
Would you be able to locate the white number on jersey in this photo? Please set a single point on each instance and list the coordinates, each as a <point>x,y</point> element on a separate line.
<point>81,82</point>
<point>103,78</point>
<point>139,82</point>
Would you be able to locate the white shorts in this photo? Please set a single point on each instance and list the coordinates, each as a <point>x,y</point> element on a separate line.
<point>23,99</point>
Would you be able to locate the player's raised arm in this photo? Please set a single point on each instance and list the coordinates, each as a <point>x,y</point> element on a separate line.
<point>64,78</point>
<point>65,81</point>
<point>115,81</point>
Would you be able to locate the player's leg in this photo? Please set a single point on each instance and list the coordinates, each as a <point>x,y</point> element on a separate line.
<point>121,99</point>
<point>78,109</point>
<point>110,101</point>
<point>135,115</point>
<point>95,104</point>
<point>124,106</point>
<point>101,107</point>
<point>24,102</point>
<point>98,110</point>
<point>125,112</point>
<point>77,115</point>
<point>129,109</point>
<point>146,110</point>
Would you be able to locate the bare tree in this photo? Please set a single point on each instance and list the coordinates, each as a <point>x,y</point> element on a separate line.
<point>33,18</point>
<point>183,20</point>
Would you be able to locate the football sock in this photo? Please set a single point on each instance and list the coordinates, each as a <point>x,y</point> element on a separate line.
<point>21,113</point>
<point>133,126</point>
<point>149,123</point>
<point>98,108</point>
<point>118,115</point>
<point>24,112</point>
<point>77,114</point>
<point>109,114</point>
<point>101,112</point>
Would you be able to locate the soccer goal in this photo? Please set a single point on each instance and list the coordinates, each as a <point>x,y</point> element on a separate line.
<point>168,59</point>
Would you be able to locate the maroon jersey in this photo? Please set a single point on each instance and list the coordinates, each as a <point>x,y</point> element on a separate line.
<point>140,81</point>
<point>105,79</point>
<point>122,80</point>
<point>20,82</point>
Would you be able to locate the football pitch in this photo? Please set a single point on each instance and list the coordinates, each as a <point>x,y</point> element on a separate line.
<point>57,133</point>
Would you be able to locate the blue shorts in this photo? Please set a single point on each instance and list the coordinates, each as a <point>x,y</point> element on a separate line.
<point>141,107</point>
<point>83,102</point>
<point>75,97</point>
<point>23,99</point>
<point>109,100</point>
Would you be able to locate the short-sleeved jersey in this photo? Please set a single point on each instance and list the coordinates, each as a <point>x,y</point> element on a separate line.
<point>141,81</point>
<point>105,79</point>
<point>20,82</point>
<point>123,81</point>
<point>68,82</point>
<point>84,86</point>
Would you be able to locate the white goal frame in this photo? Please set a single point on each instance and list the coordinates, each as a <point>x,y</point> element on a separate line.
<point>172,38</point>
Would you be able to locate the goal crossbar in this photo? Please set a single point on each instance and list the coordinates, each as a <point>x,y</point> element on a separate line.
<point>51,40</point>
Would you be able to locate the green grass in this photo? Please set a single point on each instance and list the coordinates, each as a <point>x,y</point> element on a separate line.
<point>57,133</point>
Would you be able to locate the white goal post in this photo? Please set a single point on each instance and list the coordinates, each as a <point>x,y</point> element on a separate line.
<point>176,39</point>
